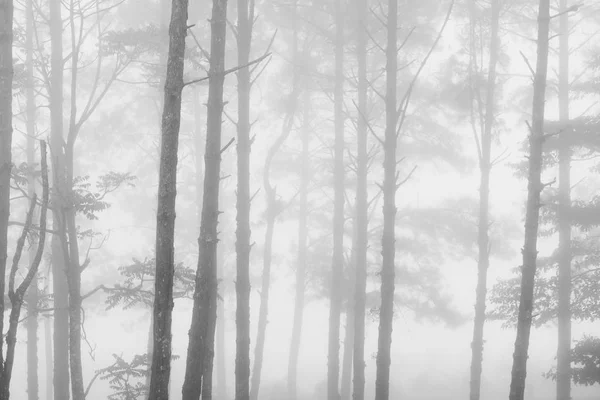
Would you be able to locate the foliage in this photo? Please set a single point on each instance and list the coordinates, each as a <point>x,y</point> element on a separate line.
<point>90,202</point>
<point>127,378</point>
<point>585,356</point>
<point>138,285</point>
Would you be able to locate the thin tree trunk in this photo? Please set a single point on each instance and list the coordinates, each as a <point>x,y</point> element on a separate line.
<point>361,240</point>
<point>563,369</point>
<point>16,293</point>
<point>346,383</point>
<point>302,251</point>
<point>483,239</point>
<point>6,133</point>
<point>536,138</point>
<point>221,389</point>
<point>33,292</point>
<point>274,208</point>
<point>165,219</point>
<point>242,245</point>
<point>59,263</point>
<point>48,354</point>
<point>388,250</point>
<point>337,270</point>
<point>204,314</point>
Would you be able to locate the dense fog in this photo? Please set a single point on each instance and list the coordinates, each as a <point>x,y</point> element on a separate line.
<point>297,199</point>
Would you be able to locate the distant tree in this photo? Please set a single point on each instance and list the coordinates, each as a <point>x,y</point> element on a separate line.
<point>6,134</point>
<point>245,26</point>
<point>337,268</point>
<point>483,125</point>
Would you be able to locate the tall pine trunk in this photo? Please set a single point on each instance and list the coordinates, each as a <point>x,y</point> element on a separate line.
<point>536,139</point>
<point>361,241</point>
<point>305,172</point>
<point>563,369</point>
<point>59,263</point>
<point>242,244</point>
<point>202,330</point>
<point>6,133</point>
<point>33,292</point>
<point>388,250</point>
<point>165,216</point>
<point>485,165</point>
<point>337,269</point>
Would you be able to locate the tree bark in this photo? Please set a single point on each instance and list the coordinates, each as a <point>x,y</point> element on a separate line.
<point>165,218</point>
<point>536,138</point>
<point>388,250</point>
<point>483,240</point>
<point>361,240</point>
<point>563,368</point>
<point>302,250</point>
<point>337,270</point>
<point>242,245</point>
<point>59,264</point>
<point>33,292</point>
<point>204,314</point>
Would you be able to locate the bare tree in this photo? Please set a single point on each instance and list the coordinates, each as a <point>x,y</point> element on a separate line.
<point>337,269</point>
<point>483,140</point>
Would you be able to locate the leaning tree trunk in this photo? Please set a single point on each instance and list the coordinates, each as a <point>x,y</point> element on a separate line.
<point>563,367</point>
<point>485,165</point>
<point>16,294</point>
<point>6,131</point>
<point>536,139</point>
<point>337,269</point>
<point>242,244</point>
<point>305,172</point>
<point>59,263</point>
<point>204,314</point>
<point>361,240</point>
<point>274,208</point>
<point>165,218</point>
<point>388,250</point>
<point>33,292</point>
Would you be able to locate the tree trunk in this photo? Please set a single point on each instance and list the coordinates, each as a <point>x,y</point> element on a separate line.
<point>563,368</point>
<point>59,264</point>
<point>536,138</point>
<point>33,292</point>
<point>337,270</point>
<point>346,383</point>
<point>242,245</point>
<point>274,208</point>
<point>165,219</point>
<point>221,389</point>
<point>6,132</point>
<point>204,314</point>
<point>361,240</point>
<point>483,239</point>
<point>302,251</point>
<point>48,353</point>
<point>388,250</point>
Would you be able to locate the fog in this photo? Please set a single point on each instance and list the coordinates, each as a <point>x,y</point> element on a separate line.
<point>243,198</point>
